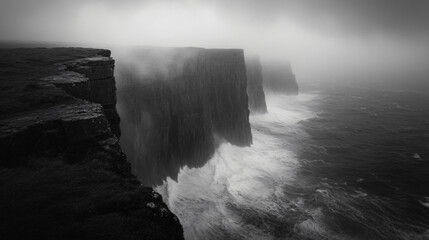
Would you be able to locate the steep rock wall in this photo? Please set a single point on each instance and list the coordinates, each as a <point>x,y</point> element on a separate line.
<point>63,174</point>
<point>177,104</point>
<point>279,78</point>
<point>255,89</point>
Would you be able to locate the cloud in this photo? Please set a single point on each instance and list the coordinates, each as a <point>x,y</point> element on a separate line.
<point>358,18</point>
<point>317,35</point>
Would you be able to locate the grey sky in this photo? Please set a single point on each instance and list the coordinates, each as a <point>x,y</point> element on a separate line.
<point>314,34</point>
<point>355,17</point>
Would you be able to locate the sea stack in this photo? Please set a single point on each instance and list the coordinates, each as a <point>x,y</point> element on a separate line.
<point>279,78</point>
<point>255,89</point>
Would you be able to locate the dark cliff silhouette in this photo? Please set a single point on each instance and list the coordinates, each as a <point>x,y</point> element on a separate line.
<point>177,104</point>
<point>63,174</point>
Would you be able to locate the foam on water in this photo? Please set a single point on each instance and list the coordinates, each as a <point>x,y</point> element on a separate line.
<point>425,202</point>
<point>298,183</point>
<point>240,188</point>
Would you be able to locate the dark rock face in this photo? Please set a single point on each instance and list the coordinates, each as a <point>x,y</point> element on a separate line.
<point>279,78</point>
<point>63,174</point>
<point>176,104</point>
<point>255,89</point>
<point>91,79</point>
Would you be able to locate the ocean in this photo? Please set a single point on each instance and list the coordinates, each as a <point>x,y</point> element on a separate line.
<point>335,162</point>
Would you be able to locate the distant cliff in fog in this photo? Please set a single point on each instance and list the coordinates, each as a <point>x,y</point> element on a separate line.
<point>255,89</point>
<point>177,104</point>
<point>279,78</point>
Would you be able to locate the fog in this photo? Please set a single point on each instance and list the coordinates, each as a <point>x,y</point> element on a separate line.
<point>323,39</point>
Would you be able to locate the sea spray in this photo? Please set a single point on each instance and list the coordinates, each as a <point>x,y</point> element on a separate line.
<point>241,188</point>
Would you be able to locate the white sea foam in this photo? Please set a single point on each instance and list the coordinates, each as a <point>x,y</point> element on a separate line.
<point>205,198</point>
<point>425,202</point>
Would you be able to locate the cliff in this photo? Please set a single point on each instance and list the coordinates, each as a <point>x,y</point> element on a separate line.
<point>63,174</point>
<point>177,104</point>
<point>255,89</point>
<point>279,78</point>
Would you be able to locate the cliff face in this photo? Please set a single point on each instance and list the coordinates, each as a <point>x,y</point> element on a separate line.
<point>177,104</point>
<point>63,174</point>
<point>255,89</point>
<point>278,77</point>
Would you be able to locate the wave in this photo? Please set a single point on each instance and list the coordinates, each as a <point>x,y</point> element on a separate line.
<point>240,188</point>
<point>271,191</point>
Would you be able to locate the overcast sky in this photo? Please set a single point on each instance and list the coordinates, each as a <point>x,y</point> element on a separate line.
<point>314,34</point>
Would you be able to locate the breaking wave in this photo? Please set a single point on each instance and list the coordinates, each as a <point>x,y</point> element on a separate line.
<point>320,167</point>
<point>240,190</point>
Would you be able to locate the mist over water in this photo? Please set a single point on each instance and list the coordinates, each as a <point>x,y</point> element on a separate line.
<point>315,172</point>
<point>239,190</point>
<point>381,40</point>
<point>346,159</point>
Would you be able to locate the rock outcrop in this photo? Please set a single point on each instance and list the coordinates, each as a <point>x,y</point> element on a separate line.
<point>255,89</point>
<point>279,78</point>
<point>63,174</point>
<point>177,104</point>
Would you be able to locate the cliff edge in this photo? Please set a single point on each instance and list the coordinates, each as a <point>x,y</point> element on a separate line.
<point>63,174</point>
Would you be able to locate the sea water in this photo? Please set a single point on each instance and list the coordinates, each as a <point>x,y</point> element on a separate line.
<point>332,163</point>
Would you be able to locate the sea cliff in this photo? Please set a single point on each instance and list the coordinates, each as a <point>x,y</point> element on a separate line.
<point>63,174</point>
<point>279,78</point>
<point>178,104</point>
<point>255,89</point>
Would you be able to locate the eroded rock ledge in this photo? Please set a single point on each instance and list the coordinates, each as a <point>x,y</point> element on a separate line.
<point>63,174</point>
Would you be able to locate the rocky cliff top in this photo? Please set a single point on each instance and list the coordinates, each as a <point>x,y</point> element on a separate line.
<point>62,172</point>
<point>22,69</point>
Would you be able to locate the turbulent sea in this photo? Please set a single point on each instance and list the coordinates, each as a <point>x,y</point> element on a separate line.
<point>339,162</point>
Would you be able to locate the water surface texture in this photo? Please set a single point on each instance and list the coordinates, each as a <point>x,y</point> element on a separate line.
<point>336,163</point>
